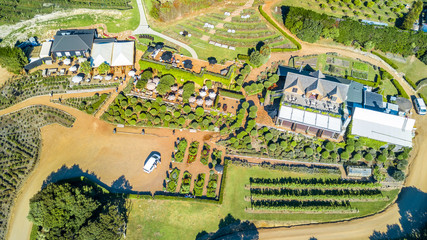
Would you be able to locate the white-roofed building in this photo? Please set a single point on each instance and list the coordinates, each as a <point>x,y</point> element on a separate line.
<point>309,122</point>
<point>101,53</point>
<point>123,53</point>
<point>383,127</point>
<point>45,51</point>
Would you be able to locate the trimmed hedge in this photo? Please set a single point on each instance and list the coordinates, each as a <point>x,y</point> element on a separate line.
<point>181,198</point>
<point>364,82</point>
<point>231,94</point>
<point>412,84</point>
<point>400,89</point>
<point>283,49</point>
<point>243,57</point>
<point>278,28</point>
<point>388,61</point>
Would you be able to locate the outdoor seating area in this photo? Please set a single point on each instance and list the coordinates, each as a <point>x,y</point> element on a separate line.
<point>302,100</point>
<point>188,63</point>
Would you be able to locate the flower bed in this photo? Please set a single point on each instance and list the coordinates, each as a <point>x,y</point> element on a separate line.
<point>205,154</point>
<point>180,148</point>
<point>172,181</point>
<point>192,152</point>
<point>198,185</point>
<point>186,182</point>
<point>212,185</point>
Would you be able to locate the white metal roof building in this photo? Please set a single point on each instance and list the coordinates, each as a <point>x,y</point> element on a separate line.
<point>45,51</point>
<point>123,53</point>
<point>383,127</point>
<point>101,52</point>
<point>310,119</point>
<point>359,172</point>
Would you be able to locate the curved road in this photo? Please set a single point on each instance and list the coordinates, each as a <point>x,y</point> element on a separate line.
<point>144,28</point>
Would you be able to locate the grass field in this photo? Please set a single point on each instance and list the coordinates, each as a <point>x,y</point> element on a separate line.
<point>388,89</point>
<point>379,12</point>
<point>414,69</point>
<point>184,220</point>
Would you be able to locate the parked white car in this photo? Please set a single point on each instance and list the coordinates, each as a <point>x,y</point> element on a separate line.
<point>151,163</point>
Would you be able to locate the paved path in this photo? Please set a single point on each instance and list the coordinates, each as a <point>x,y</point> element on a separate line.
<point>144,28</point>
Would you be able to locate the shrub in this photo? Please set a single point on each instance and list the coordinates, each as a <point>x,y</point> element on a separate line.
<point>309,151</point>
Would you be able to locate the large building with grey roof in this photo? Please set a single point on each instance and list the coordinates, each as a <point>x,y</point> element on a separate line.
<point>73,42</point>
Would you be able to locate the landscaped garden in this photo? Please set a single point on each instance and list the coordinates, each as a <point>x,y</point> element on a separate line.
<point>22,87</point>
<point>185,184</point>
<point>211,32</point>
<point>89,105</point>
<point>190,222</point>
<point>172,181</point>
<point>19,148</point>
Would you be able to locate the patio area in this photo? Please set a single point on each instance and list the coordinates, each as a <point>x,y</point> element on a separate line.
<point>302,100</point>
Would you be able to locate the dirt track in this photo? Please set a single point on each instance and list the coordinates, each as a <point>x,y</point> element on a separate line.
<point>90,148</point>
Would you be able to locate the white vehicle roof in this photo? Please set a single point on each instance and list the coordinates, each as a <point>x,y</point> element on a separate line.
<point>151,162</point>
<point>421,102</point>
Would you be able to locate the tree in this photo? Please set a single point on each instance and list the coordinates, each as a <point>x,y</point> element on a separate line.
<point>77,211</point>
<point>412,15</point>
<point>272,146</point>
<point>382,158</point>
<point>245,105</point>
<point>309,151</point>
<point>200,111</point>
<point>256,58</point>
<point>147,74</point>
<point>345,155</point>
<point>188,90</point>
<point>103,68</point>
<point>330,146</point>
<point>165,84</point>
<point>357,157</point>
<point>325,154</point>
<point>368,157</point>
<point>369,45</point>
<point>140,84</point>
<point>398,175</point>
<point>268,136</point>
<point>187,109</point>
<point>85,67</point>
<point>13,59</point>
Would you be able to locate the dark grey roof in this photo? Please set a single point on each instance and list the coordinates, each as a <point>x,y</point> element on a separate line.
<point>188,64</point>
<point>104,40</point>
<point>373,100</point>
<point>355,92</point>
<point>404,104</point>
<point>73,40</point>
<point>308,83</point>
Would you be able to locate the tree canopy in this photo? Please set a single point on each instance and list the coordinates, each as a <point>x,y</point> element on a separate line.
<point>77,211</point>
<point>13,59</point>
<point>165,84</point>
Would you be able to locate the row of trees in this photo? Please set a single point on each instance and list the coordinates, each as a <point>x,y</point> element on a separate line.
<point>321,183</point>
<point>310,26</point>
<point>301,206</point>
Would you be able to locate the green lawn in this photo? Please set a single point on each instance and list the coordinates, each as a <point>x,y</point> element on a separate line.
<point>388,89</point>
<point>414,69</point>
<point>167,219</point>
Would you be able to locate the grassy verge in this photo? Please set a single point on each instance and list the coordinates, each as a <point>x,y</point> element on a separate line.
<point>264,14</point>
<point>184,220</point>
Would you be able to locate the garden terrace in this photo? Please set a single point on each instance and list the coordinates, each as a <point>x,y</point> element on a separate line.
<point>20,141</point>
<point>198,66</point>
<point>22,87</point>
<point>204,158</point>
<point>89,105</point>
<point>183,75</point>
<point>136,111</point>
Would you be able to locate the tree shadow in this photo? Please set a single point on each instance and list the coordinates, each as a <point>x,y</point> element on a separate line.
<point>120,185</point>
<point>413,216</point>
<point>230,228</point>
